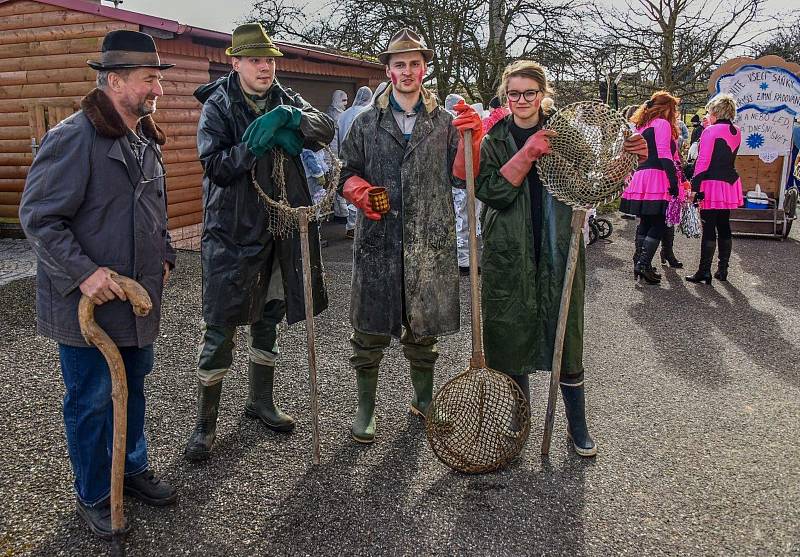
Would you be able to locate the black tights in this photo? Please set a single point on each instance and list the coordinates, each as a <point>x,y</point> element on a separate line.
<point>716,222</point>
<point>652,226</point>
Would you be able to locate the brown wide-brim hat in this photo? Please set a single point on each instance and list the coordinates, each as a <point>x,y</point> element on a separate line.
<point>405,40</point>
<point>250,39</point>
<point>125,49</point>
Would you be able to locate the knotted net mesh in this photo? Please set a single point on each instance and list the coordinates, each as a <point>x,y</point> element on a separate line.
<point>283,217</point>
<point>587,167</point>
<point>478,421</point>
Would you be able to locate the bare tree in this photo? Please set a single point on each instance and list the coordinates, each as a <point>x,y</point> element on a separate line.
<point>784,43</point>
<point>676,44</point>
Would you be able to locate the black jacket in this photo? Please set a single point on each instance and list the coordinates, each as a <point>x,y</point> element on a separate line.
<point>237,250</point>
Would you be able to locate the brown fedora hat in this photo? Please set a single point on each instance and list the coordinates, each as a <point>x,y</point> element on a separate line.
<point>405,40</point>
<point>125,49</point>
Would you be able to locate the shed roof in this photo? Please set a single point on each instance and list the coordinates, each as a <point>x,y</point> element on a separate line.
<point>177,28</point>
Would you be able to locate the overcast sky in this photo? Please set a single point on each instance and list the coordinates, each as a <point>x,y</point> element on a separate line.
<point>222,16</point>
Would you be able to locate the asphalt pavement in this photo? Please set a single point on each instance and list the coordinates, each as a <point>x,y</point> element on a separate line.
<point>693,397</point>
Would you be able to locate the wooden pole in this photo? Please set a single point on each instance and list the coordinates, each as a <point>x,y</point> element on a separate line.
<point>477,361</point>
<point>312,355</point>
<point>578,218</point>
<point>95,336</point>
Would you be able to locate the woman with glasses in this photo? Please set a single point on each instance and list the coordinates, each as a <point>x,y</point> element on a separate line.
<point>655,181</point>
<point>526,235</point>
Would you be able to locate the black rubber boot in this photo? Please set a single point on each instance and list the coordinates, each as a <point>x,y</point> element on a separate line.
<point>643,267</point>
<point>725,248</point>
<point>577,430</point>
<point>260,403</point>
<point>703,273</point>
<point>205,429</point>
<point>422,381</point>
<point>667,253</point>
<point>363,429</point>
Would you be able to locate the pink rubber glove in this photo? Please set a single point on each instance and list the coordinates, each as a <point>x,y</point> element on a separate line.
<point>356,191</point>
<point>516,169</point>
<point>467,119</point>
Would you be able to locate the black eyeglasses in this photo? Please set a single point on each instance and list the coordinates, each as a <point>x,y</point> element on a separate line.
<point>530,95</point>
<point>160,163</point>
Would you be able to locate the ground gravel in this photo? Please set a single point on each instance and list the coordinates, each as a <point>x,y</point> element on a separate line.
<point>693,398</point>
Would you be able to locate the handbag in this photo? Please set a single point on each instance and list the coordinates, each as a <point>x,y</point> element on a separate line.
<point>690,226</point>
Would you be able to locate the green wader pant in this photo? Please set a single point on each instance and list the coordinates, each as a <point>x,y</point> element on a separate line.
<point>215,353</point>
<point>368,350</point>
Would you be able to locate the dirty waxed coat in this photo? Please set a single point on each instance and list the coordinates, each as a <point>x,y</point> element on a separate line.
<point>520,300</point>
<point>86,205</point>
<point>412,249</point>
<point>237,250</point>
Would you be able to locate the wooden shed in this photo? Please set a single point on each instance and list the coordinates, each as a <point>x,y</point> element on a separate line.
<point>44,45</point>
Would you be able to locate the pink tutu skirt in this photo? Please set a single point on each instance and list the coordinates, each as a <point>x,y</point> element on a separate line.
<point>721,195</point>
<point>648,184</point>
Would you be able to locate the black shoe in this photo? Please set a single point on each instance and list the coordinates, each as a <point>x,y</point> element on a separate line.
<point>699,277</point>
<point>671,260</point>
<point>98,518</point>
<point>725,248</point>
<point>721,275</point>
<point>149,489</point>
<point>647,273</point>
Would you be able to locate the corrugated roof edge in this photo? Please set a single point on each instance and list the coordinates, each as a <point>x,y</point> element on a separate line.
<point>173,26</point>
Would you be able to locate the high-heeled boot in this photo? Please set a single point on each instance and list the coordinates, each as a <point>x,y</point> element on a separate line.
<point>703,273</point>
<point>725,248</point>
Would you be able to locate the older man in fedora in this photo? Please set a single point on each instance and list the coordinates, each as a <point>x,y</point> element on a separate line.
<point>250,277</point>
<point>95,204</point>
<point>405,273</point>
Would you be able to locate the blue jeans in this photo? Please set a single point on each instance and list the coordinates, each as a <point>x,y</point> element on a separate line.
<point>89,419</point>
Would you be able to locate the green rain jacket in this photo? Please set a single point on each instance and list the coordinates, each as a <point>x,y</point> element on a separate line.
<point>520,301</point>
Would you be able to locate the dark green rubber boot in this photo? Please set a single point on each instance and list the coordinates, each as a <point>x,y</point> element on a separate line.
<point>260,403</point>
<point>577,430</point>
<point>422,381</point>
<point>363,429</point>
<point>205,429</point>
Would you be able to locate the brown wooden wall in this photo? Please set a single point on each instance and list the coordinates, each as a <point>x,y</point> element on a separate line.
<point>43,53</point>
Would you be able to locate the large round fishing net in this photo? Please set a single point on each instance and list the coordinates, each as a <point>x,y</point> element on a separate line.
<point>587,166</point>
<point>283,215</point>
<point>478,422</point>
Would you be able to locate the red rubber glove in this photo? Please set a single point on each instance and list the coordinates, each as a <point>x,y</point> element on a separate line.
<point>537,145</point>
<point>356,191</point>
<point>467,119</point>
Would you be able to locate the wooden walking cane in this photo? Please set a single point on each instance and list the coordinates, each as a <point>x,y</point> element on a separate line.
<point>312,355</point>
<point>95,336</point>
<point>578,219</point>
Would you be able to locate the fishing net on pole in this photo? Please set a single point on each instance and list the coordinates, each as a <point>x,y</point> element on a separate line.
<point>282,217</point>
<point>587,167</point>
<point>479,421</point>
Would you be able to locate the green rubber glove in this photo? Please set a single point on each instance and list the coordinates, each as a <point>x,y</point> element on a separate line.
<point>289,140</point>
<point>259,134</point>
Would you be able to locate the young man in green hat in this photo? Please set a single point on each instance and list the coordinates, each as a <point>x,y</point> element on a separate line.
<point>246,279</point>
<point>405,272</point>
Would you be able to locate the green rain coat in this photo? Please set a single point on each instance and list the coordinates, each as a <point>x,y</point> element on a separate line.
<point>520,301</point>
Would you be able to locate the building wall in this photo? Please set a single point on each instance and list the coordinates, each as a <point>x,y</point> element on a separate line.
<point>43,76</point>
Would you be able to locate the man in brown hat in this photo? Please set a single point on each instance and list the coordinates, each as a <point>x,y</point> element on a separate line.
<point>247,278</point>
<point>405,273</point>
<point>95,204</point>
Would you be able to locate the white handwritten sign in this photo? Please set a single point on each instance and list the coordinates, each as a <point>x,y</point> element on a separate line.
<point>765,132</point>
<point>763,87</point>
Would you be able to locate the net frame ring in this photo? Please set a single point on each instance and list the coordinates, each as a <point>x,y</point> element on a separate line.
<point>465,429</point>
<point>587,166</point>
